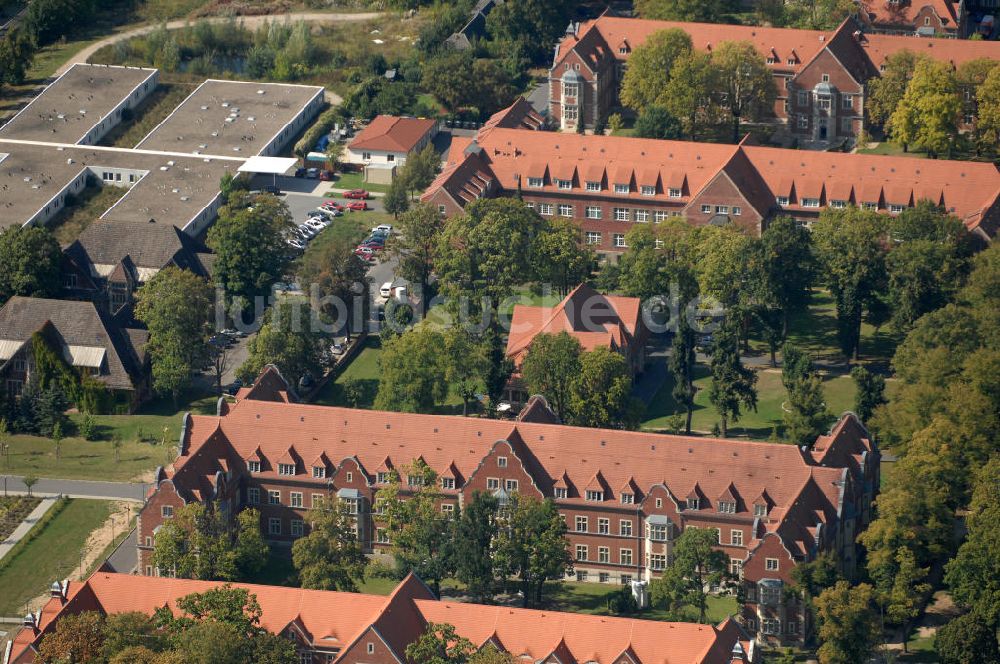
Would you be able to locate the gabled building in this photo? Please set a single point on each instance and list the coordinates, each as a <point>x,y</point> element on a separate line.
<point>350,628</point>
<point>606,184</point>
<point>820,77</point>
<point>625,495</point>
<point>88,340</point>
<point>595,320</point>
<point>926,18</point>
<point>389,139</point>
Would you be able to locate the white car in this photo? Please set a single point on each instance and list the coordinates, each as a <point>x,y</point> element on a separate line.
<point>316,224</point>
<point>308,232</point>
<point>386,290</point>
<point>296,244</point>
<point>383,228</point>
<point>323,213</point>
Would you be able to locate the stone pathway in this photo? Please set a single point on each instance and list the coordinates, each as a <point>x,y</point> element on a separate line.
<point>22,530</point>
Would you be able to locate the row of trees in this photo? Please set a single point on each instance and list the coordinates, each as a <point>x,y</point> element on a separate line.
<point>922,103</point>
<point>668,78</point>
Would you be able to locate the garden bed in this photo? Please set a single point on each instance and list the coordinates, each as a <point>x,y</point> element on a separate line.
<point>14,510</point>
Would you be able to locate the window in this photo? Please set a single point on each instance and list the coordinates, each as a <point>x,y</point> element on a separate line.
<point>581,524</point>
<point>286,468</point>
<point>895,209</point>
<point>735,567</point>
<point>620,240</point>
<point>593,186</point>
<point>771,60</point>
<point>838,205</point>
<point>604,526</point>
<point>581,551</point>
<point>511,485</point>
<point>771,564</point>
<point>792,627</point>
<point>659,215</point>
<point>570,89</point>
<point>790,61</point>
<point>582,576</point>
<point>622,214</point>
<point>273,497</point>
<point>802,98</point>
<point>737,210</point>
<point>823,101</point>
<point>537,183</point>
<point>317,500</point>
<point>694,503</point>
<point>736,537</point>
<point>826,78</point>
<point>529,205</point>
<point>595,496</point>
<point>592,238</point>
<point>564,184</point>
<point>371,648</point>
<point>492,483</point>
<point>545,209</point>
<point>927,20</point>
<point>622,188</point>
<point>625,528</point>
<point>659,503</point>
<point>253,495</point>
<point>721,209</point>
<point>570,113</point>
<point>770,594</point>
<point>319,472</point>
<point>847,101</point>
<point>414,480</point>
<point>782,201</point>
<point>603,554</point>
<point>625,556</point>
<point>448,509</point>
<point>727,507</point>
<point>657,562</point>
<point>593,212</point>
<point>253,466</point>
<point>382,477</point>
<point>149,541</point>
<point>560,492</point>
<point>390,157</point>
<point>381,536</point>
<point>771,626</point>
<point>706,209</point>
<point>295,499</point>
<point>657,532</point>
<point>646,190</point>
<point>846,125</point>
<point>870,206</point>
<point>350,476</point>
<point>447,482</point>
<point>441,209</point>
<point>565,210</point>
<point>297,528</point>
<point>810,202</point>
<point>803,122</point>
<point>604,577</point>
<point>642,215</point>
<point>627,498</point>
<point>167,512</point>
<point>274,526</point>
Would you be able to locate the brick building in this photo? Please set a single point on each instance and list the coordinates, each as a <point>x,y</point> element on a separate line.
<point>819,76</point>
<point>625,495</point>
<point>351,628</point>
<point>607,184</point>
<point>926,18</point>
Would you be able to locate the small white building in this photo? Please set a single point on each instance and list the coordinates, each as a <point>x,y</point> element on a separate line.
<point>388,139</point>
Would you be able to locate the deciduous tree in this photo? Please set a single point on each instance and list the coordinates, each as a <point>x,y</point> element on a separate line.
<point>887,89</point>
<point>413,371</point>
<point>733,386</point>
<point>440,644</point>
<point>788,266</point>
<point>330,557</point>
<point>967,639</point>
<point>688,93</point>
<point>532,545</point>
<point>657,122</point>
<point>697,563</point>
<point>848,624</point>
<point>681,365</point>
<point>561,257</point>
<point>475,532</point>
<point>683,10</point>
<point>745,84</point>
<point>988,109</point>
<point>649,68</point>
<point>551,367</point>
<point>601,393</point>
<point>418,232</point>
<point>30,263</point>
<point>928,115</point>
<point>287,339</point>
<point>869,392</point>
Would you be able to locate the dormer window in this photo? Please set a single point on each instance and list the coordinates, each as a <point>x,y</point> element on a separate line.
<point>628,498</point>
<point>622,50</point>
<point>564,184</point>
<point>694,503</point>
<point>838,204</point>
<point>771,60</point>
<point>536,183</point>
<point>760,509</point>
<point>621,189</point>
<point>782,201</point>
<point>790,61</point>
<point>561,492</point>
<point>727,507</point>
<point>810,202</point>
<point>870,206</point>
<point>647,190</point>
<point>674,193</point>
<point>286,468</point>
<point>593,186</point>
<point>319,472</point>
<point>382,477</point>
<point>414,480</point>
<point>447,482</point>
<point>595,496</point>
<point>253,466</point>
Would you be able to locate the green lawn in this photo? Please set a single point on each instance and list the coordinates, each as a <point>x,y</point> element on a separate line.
<point>53,555</point>
<point>355,181</point>
<point>363,368</point>
<point>770,396</point>
<point>593,597</point>
<point>91,203</point>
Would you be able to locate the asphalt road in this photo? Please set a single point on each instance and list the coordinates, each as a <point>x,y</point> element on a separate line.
<point>132,491</point>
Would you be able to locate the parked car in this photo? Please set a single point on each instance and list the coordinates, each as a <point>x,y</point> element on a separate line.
<point>306,381</point>
<point>359,194</point>
<point>312,173</point>
<point>337,349</point>
<point>316,224</point>
<point>300,172</point>
<point>235,387</point>
<point>295,244</point>
<point>365,252</point>
<point>382,229</point>
<point>272,189</point>
<point>324,213</point>
<point>330,203</point>
<point>374,242</point>
<point>386,290</point>
<point>308,232</point>
<point>358,206</point>
<point>326,175</point>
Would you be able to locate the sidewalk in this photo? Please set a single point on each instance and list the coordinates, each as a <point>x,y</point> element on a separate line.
<point>26,525</point>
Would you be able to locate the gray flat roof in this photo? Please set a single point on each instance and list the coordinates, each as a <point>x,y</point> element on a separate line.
<point>230,118</point>
<point>171,188</point>
<point>74,103</point>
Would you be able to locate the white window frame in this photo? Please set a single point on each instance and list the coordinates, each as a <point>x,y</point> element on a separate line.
<point>603,526</point>
<point>593,237</point>
<point>593,186</point>
<point>737,211</point>
<point>546,209</point>
<point>625,527</point>
<point>674,193</point>
<point>593,212</point>
<point>564,184</point>
<point>565,210</point>
<point>736,537</point>
<point>319,472</point>
<point>623,214</point>
<point>295,499</point>
<point>642,216</point>
<point>625,556</point>
<point>647,190</point>
<point>810,202</point>
<point>273,497</point>
<point>581,523</point>
<point>582,551</point>
<point>620,241</point>
<point>782,201</point>
<point>253,466</point>
<point>771,564</point>
<point>622,189</point>
<point>536,183</point>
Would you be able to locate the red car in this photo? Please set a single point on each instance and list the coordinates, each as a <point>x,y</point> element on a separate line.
<point>332,204</point>
<point>366,253</point>
<point>357,206</point>
<point>359,194</point>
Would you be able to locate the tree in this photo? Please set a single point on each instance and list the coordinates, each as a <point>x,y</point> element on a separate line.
<point>697,563</point>
<point>250,549</point>
<point>988,109</point>
<point>334,153</point>
<point>683,10</point>
<point>869,392</point>
<point>490,654</point>
<point>967,639</point>
<point>806,413</point>
<point>641,271</point>
<point>467,364</point>
<point>17,50</point>
<point>396,199</point>
<point>601,393</point>
<point>529,26</point>
<point>28,481</point>
<point>414,246</point>
<point>850,246</point>
<point>657,122</point>
<point>887,89</point>
<point>413,371</point>
<point>249,242</point>
<point>330,557</point>
<point>813,577</point>
<point>532,545</point>
<point>286,340</point>
<point>745,84</point>
<point>551,367</point>
<point>176,307</point>
<point>48,20</point>
<point>76,638</point>
<point>337,276</point>
<point>848,624</point>
<point>649,68</point>
<point>197,543</point>
<point>681,364</point>
<point>123,630</point>
<point>687,95</point>
<point>475,533</point>
<point>420,170</point>
<point>904,597</point>
<point>30,263</point>
<point>440,644</point>
<point>928,115</point>
<point>562,259</point>
<point>733,385</point>
<point>788,266</point>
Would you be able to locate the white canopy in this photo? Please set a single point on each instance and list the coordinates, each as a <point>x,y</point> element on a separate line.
<point>269,165</point>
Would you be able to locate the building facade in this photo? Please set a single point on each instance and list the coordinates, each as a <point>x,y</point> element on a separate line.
<point>625,496</point>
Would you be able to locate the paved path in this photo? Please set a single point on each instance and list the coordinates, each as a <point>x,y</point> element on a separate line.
<point>78,488</point>
<point>248,21</point>
<point>25,526</point>
<point>125,558</point>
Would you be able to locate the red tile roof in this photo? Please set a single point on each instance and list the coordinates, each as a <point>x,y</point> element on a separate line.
<point>392,134</point>
<point>904,14</point>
